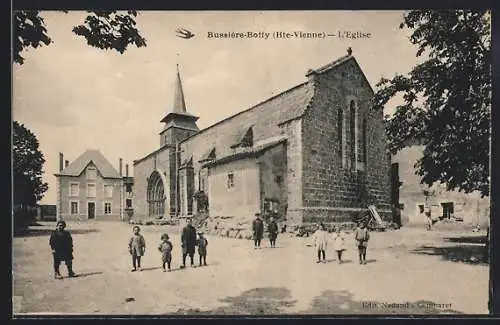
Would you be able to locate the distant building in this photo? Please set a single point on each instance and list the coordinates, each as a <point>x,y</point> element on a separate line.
<point>91,188</point>
<point>47,212</point>
<point>416,198</point>
<point>315,152</point>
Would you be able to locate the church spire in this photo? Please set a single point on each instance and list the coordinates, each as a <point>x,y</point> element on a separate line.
<point>179,103</point>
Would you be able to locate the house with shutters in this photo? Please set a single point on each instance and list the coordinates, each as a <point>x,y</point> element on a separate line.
<point>91,188</point>
<point>314,152</point>
<point>415,200</point>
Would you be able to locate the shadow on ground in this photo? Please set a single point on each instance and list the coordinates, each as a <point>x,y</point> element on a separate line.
<point>342,302</point>
<point>272,301</point>
<point>257,301</point>
<point>470,254</point>
<point>467,239</point>
<point>33,232</point>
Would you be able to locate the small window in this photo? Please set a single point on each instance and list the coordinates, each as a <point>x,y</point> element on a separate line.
<point>230,180</point>
<point>91,174</point>
<point>278,179</point>
<point>74,207</point>
<point>202,184</point>
<point>128,188</point>
<point>91,190</point>
<point>107,208</point>
<point>128,203</point>
<point>420,208</point>
<point>108,191</point>
<point>74,189</point>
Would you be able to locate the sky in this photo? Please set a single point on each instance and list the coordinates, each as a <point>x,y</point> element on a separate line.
<point>75,97</point>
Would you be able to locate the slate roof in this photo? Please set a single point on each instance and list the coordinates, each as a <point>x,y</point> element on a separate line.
<point>97,158</point>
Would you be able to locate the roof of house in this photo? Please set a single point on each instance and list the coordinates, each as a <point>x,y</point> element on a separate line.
<point>90,156</point>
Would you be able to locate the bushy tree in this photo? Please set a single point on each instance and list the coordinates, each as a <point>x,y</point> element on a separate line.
<point>107,30</point>
<point>28,161</point>
<point>447,98</point>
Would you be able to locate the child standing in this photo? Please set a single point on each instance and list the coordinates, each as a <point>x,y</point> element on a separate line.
<point>136,248</point>
<point>202,243</point>
<point>362,236</point>
<point>166,251</point>
<point>338,243</point>
<point>61,244</point>
<point>321,242</point>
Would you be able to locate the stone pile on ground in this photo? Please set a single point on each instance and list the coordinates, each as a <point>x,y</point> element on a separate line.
<point>232,227</point>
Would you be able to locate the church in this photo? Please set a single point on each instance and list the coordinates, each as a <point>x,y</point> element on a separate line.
<point>315,152</point>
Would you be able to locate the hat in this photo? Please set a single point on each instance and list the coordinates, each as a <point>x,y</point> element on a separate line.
<point>164,236</point>
<point>257,214</point>
<point>61,222</point>
<point>200,233</point>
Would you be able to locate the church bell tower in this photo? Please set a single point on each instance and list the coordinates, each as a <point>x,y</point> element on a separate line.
<point>179,124</point>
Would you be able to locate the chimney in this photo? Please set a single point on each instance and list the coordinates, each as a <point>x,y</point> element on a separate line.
<point>126,170</point>
<point>61,159</point>
<point>120,167</point>
<point>66,163</point>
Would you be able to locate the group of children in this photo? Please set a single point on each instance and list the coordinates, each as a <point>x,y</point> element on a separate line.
<point>320,236</point>
<point>62,247</point>
<point>137,248</point>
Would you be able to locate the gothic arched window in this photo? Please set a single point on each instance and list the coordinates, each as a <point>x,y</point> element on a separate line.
<point>352,129</point>
<point>365,144</point>
<point>340,128</point>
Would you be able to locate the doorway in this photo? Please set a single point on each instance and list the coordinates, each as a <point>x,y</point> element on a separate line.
<point>91,210</point>
<point>447,210</point>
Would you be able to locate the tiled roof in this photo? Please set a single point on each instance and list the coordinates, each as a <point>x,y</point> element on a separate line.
<point>97,158</point>
<point>258,147</point>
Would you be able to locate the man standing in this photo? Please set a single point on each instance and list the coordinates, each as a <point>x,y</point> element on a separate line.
<point>188,243</point>
<point>61,244</point>
<point>258,230</point>
<point>273,232</point>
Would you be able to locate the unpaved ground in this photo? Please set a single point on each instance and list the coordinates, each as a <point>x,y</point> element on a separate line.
<point>409,271</point>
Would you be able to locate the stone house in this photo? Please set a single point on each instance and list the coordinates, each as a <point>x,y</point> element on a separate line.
<point>415,199</point>
<point>314,152</point>
<point>91,188</point>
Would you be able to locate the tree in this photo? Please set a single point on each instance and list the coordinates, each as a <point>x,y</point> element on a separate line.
<point>107,30</point>
<point>447,98</point>
<point>28,162</point>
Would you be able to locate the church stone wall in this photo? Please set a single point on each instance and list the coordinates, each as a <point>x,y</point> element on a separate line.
<point>331,188</point>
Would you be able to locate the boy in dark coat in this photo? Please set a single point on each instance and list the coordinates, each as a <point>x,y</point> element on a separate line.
<point>258,230</point>
<point>188,243</point>
<point>202,248</point>
<point>61,244</point>
<point>273,232</point>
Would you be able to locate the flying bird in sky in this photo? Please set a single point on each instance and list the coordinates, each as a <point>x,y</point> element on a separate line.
<point>184,33</point>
